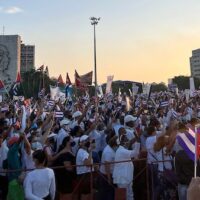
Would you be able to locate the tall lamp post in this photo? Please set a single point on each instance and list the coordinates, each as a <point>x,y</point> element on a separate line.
<point>94,22</point>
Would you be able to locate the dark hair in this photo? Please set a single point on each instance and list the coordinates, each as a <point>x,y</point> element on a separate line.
<point>150,130</point>
<point>111,133</point>
<point>64,142</point>
<point>40,156</point>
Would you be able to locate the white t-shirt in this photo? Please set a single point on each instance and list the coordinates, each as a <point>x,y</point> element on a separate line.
<point>28,160</point>
<point>3,155</point>
<point>61,135</point>
<point>82,155</point>
<point>149,146</point>
<point>123,172</point>
<point>39,184</point>
<point>108,155</point>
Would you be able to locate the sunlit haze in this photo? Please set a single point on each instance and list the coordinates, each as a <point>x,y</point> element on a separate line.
<point>138,40</point>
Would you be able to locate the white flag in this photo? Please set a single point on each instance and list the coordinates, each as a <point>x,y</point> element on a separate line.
<point>192,87</point>
<point>109,84</point>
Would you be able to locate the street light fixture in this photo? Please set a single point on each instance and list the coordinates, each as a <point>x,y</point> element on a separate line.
<point>94,22</point>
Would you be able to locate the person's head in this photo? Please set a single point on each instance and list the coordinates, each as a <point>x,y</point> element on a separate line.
<point>110,135</point>
<point>129,121</point>
<point>76,116</point>
<point>151,130</point>
<point>194,121</point>
<point>122,131</point>
<point>39,158</point>
<point>67,143</point>
<point>112,142</point>
<point>84,141</point>
<point>124,141</point>
<point>182,127</point>
<point>65,124</point>
<point>76,131</point>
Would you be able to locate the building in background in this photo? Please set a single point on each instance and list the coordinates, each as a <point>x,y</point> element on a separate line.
<point>10,58</point>
<point>14,57</point>
<point>195,63</point>
<point>27,57</point>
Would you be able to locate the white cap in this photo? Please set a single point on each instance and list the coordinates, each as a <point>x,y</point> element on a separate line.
<point>77,114</point>
<point>129,118</point>
<point>64,122</point>
<point>83,138</point>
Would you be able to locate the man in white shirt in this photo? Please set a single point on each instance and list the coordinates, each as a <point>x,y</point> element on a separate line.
<point>123,172</point>
<point>106,190</point>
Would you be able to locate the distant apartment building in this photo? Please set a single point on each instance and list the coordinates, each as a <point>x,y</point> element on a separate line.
<point>10,58</point>
<point>27,57</point>
<point>195,63</point>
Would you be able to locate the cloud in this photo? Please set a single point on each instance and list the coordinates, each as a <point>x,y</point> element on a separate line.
<point>12,10</point>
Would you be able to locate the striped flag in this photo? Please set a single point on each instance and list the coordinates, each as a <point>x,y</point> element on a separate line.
<point>164,104</point>
<point>175,114</point>
<point>59,114</point>
<point>187,142</point>
<point>51,103</point>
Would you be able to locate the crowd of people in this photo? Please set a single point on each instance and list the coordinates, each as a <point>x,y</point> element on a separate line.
<point>49,149</point>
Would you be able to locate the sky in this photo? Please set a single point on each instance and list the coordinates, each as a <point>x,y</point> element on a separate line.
<point>137,40</point>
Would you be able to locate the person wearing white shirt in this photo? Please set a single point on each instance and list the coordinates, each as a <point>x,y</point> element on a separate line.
<point>40,183</point>
<point>84,157</point>
<point>123,172</point>
<point>106,190</point>
<point>3,177</point>
<point>63,132</point>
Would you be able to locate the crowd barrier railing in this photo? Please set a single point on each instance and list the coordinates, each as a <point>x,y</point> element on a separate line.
<point>144,170</point>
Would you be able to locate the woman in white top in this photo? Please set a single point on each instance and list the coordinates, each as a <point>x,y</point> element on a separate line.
<point>123,172</point>
<point>40,183</point>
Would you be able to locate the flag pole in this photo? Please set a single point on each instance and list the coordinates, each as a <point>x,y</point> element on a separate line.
<point>196,145</point>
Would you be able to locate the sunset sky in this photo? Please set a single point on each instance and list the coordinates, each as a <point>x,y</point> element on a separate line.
<point>139,40</point>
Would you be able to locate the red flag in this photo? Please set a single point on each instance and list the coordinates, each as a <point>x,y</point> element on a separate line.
<point>84,80</point>
<point>18,79</point>
<point>77,79</point>
<point>1,85</point>
<point>68,81</point>
<point>60,80</point>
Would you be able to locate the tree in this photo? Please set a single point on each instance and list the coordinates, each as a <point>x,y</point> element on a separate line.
<point>158,87</point>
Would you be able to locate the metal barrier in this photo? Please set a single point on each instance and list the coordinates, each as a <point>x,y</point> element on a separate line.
<point>145,170</point>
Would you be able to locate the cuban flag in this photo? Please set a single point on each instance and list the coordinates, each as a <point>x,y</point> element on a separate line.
<point>187,142</point>
<point>164,104</point>
<point>59,114</point>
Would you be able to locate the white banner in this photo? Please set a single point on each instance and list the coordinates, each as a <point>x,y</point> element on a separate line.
<point>109,84</point>
<point>56,94</point>
<point>135,89</point>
